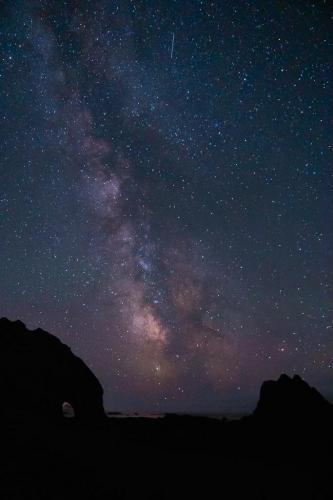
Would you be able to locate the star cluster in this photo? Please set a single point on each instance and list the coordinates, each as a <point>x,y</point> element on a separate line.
<point>166,201</point>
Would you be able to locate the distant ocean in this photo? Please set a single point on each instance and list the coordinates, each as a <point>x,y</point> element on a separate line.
<point>229,416</point>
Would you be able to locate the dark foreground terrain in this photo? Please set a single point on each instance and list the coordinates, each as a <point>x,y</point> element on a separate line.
<point>284,450</point>
<point>173,457</point>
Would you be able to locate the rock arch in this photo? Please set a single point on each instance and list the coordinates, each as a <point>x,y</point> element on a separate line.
<point>38,373</point>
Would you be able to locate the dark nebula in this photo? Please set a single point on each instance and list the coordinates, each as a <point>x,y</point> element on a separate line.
<point>166,201</point>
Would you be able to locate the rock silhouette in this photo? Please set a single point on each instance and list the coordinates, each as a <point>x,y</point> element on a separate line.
<point>56,458</point>
<point>38,374</point>
<point>291,399</point>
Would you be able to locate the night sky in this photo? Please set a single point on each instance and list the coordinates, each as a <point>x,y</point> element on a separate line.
<point>166,192</point>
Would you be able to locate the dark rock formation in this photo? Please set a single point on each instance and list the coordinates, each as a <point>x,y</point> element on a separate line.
<point>38,373</point>
<point>291,400</point>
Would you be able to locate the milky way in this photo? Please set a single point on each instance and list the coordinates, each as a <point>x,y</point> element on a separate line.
<point>165,193</point>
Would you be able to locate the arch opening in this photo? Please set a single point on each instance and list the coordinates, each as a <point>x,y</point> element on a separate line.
<point>68,410</point>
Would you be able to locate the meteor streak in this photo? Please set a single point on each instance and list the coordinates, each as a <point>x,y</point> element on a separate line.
<point>172,44</point>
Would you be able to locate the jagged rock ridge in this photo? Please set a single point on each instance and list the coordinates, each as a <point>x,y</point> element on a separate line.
<point>291,399</point>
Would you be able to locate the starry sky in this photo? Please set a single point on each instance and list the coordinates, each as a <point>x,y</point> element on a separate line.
<point>166,192</point>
